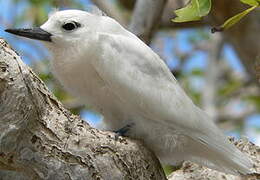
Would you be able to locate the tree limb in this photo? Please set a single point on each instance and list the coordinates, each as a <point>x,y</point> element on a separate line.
<point>111,10</point>
<point>211,77</point>
<point>146,16</point>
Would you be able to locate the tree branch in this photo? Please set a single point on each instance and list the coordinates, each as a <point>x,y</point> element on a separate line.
<point>211,77</point>
<point>146,16</point>
<point>111,10</point>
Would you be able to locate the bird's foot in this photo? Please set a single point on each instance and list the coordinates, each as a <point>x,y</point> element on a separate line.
<point>122,131</point>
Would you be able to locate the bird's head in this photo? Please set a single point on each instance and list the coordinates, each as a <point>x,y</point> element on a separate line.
<point>62,29</point>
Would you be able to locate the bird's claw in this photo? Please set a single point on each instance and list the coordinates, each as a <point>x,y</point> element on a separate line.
<point>122,131</point>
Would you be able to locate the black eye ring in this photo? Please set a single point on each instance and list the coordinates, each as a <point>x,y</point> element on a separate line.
<point>70,26</point>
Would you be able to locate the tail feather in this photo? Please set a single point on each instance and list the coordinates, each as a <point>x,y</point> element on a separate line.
<point>207,145</point>
<point>217,153</point>
<point>210,147</point>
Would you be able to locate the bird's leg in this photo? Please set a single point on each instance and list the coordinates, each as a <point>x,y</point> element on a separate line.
<point>122,131</point>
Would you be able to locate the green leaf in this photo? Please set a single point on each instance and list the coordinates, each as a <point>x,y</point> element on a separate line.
<point>194,11</point>
<point>233,20</point>
<point>251,2</point>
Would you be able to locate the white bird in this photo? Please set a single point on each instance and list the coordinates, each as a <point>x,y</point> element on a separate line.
<point>111,69</point>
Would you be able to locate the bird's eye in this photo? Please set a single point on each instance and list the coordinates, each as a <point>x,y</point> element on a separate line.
<point>70,26</point>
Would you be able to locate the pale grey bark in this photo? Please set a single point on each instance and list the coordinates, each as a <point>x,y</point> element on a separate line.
<point>212,71</point>
<point>146,17</point>
<point>110,9</point>
<point>39,139</point>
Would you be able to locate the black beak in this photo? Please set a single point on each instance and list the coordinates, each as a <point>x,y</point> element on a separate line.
<point>32,33</point>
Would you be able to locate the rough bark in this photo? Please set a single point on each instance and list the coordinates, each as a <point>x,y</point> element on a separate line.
<point>39,139</point>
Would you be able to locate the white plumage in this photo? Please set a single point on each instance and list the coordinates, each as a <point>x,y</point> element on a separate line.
<point>117,74</point>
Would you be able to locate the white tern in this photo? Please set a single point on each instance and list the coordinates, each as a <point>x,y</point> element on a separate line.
<point>109,68</point>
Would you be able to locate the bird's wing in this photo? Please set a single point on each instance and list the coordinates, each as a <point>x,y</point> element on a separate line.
<point>142,80</point>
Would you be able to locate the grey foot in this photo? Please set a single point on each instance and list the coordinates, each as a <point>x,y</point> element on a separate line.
<point>122,131</point>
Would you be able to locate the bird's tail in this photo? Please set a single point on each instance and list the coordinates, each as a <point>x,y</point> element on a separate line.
<point>209,146</point>
<point>219,154</point>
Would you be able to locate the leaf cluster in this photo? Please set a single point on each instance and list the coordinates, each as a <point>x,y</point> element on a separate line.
<point>196,9</point>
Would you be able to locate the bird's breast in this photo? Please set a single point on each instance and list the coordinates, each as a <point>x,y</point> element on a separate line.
<point>80,79</point>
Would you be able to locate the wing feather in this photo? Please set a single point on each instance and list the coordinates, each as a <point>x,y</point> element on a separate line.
<point>140,78</point>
